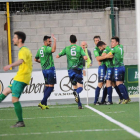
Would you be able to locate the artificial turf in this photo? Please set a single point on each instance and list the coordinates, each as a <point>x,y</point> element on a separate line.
<point>67,122</point>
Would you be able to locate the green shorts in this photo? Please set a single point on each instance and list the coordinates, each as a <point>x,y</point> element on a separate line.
<point>17,88</point>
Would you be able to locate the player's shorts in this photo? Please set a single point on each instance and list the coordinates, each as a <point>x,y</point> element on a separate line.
<point>119,73</point>
<point>17,88</point>
<point>110,74</point>
<point>101,73</point>
<point>49,76</point>
<point>76,76</point>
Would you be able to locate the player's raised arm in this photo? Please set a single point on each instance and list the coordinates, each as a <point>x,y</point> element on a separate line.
<point>17,63</point>
<point>54,44</point>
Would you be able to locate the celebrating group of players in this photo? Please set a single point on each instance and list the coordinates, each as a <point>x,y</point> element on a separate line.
<point>111,69</point>
<point>110,61</point>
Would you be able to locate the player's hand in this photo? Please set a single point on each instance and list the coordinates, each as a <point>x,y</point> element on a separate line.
<point>57,56</point>
<point>6,68</point>
<point>90,64</point>
<point>109,56</point>
<point>53,37</point>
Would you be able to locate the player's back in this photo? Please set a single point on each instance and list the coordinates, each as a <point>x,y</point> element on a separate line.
<point>74,55</point>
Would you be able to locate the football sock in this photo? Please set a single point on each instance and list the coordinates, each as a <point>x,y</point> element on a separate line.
<point>18,110</point>
<point>97,93</point>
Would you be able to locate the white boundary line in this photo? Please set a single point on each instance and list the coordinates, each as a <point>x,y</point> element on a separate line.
<point>50,117</point>
<point>35,107</point>
<point>59,132</point>
<point>128,129</point>
<point>116,112</point>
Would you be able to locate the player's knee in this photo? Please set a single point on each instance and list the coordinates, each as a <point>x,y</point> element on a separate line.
<point>113,84</point>
<point>119,83</point>
<point>100,85</point>
<point>79,85</point>
<point>14,99</point>
<point>108,83</point>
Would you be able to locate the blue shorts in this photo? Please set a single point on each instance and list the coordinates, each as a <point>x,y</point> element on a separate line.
<point>76,76</point>
<point>101,73</point>
<point>119,73</point>
<point>110,74</point>
<point>49,76</point>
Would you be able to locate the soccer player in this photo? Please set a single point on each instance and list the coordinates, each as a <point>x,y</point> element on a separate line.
<point>75,55</point>
<point>101,72</point>
<point>84,46</point>
<point>45,58</point>
<point>119,70</point>
<point>110,73</point>
<point>22,78</point>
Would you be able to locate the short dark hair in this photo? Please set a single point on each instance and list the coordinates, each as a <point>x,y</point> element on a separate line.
<point>116,38</point>
<point>46,37</point>
<point>73,39</point>
<point>100,43</point>
<point>97,36</point>
<point>21,35</point>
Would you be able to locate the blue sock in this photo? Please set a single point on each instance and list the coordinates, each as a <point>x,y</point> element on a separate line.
<point>109,92</point>
<point>75,89</point>
<point>123,91</point>
<point>78,91</point>
<point>46,88</point>
<point>104,95</point>
<point>47,95</point>
<point>126,90</point>
<point>97,93</point>
<point>119,93</point>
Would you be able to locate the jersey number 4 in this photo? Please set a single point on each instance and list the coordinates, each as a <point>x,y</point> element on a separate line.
<point>41,52</point>
<point>73,52</point>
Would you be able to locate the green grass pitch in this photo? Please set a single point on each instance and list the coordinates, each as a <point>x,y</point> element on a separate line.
<point>66,122</point>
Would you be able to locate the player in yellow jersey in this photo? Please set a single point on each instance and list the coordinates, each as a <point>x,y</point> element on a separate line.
<point>22,77</point>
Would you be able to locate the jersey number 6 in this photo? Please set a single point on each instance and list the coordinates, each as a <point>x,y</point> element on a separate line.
<point>73,52</point>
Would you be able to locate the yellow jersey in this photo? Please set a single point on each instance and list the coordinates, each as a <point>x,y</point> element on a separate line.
<point>25,69</point>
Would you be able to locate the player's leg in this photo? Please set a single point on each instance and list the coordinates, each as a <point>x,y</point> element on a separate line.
<point>5,93</point>
<point>51,80</point>
<point>101,75</point>
<point>79,90</point>
<point>17,89</point>
<point>103,102</point>
<point>119,78</point>
<point>125,86</point>
<point>71,74</point>
<point>118,92</point>
<point>97,93</point>
<point>42,103</point>
<point>109,85</point>
<point>78,79</point>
